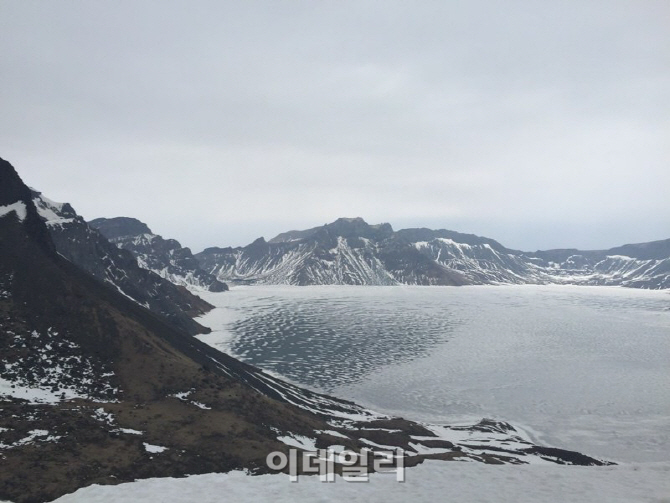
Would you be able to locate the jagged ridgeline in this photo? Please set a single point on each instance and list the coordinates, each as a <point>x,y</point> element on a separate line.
<point>165,257</point>
<point>351,252</point>
<point>87,248</point>
<point>97,388</point>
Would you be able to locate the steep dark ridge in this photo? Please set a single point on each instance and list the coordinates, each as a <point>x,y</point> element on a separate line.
<point>114,379</point>
<point>119,227</point>
<point>165,257</point>
<point>13,190</point>
<point>87,248</point>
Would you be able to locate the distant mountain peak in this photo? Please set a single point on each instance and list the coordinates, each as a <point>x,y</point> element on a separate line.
<point>343,227</point>
<point>357,227</point>
<point>259,242</point>
<point>119,227</point>
<point>348,220</point>
<point>12,188</point>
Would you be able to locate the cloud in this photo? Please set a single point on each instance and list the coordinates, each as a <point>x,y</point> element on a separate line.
<point>219,121</point>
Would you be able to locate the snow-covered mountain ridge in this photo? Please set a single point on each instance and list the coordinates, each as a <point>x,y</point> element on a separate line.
<point>352,252</point>
<point>87,248</point>
<point>165,257</point>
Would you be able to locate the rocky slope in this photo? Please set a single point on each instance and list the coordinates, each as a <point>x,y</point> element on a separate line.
<point>165,257</point>
<point>642,265</point>
<point>351,252</point>
<point>87,248</point>
<point>95,388</point>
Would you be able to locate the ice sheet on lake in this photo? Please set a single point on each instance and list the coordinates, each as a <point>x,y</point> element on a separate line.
<point>583,368</point>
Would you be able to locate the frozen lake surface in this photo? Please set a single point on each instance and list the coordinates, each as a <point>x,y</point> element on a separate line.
<point>583,368</point>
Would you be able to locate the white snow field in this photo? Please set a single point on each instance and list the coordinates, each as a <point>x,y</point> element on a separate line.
<point>432,481</point>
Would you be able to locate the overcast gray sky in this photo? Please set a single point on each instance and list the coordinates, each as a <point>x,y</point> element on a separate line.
<point>539,124</point>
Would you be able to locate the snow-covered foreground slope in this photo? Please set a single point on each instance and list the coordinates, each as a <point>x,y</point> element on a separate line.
<point>430,482</point>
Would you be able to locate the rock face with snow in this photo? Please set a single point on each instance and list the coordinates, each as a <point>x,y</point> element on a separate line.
<point>165,257</point>
<point>351,252</point>
<point>346,252</point>
<point>642,265</point>
<point>87,248</point>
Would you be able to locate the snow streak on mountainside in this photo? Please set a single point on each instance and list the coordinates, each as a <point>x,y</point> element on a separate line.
<point>165,257</point>
<point>302,263</point>
<point>351,252</point>
<point>88,249</point>
<point>644,265</point>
